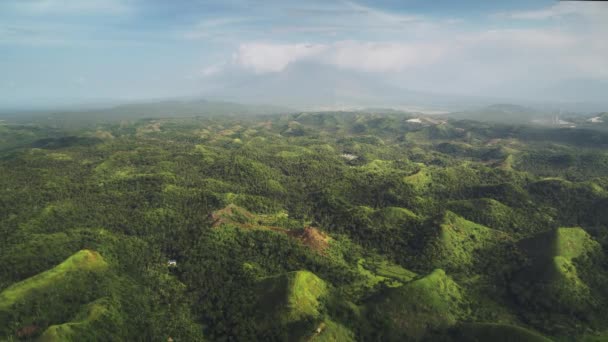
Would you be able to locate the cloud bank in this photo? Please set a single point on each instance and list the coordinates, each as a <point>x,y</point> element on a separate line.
<point>147,48</point>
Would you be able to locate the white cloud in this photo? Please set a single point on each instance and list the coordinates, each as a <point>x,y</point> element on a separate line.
<point>382,57</point>
<point>265,57</point>
<point>354,55</point>
<point>213,69</point>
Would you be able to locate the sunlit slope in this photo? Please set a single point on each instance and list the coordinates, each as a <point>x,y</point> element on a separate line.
<point>293,296</point>
<point>52,296</point>
<point>457,244</point>
<point>294,300</point>
<point>88,324</point>
<point>493,332</point>
<point>492,213</point>
<point>60,275</point>
<point>552,277</point>
<point>434,301</point>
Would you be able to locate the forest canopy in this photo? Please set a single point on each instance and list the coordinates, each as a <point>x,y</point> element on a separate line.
<point>329,226</point>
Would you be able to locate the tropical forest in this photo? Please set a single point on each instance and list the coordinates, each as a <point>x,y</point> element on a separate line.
<point>305,226</point>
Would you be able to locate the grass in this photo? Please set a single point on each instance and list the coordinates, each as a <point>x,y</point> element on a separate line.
<point>332,332</point>
<point>293,299</point>
<point>419,179</point>
<point>598,337</point>
<point>80,326</point>
<point>293,296</point>
<point>389,270</point>
<point>382,271</point>
<point>434,301</point>
<point>371,279</point>
<point>552,278</point>
<point>374,273</point>
<point>571,243</point>
<point>496,333</point>
<point>237,216</point>
<point>304,291</point>
<point>458,240</point>
<point>377,166</point>
<point>394,216</point>
<point>84,260</point>
<point>483,210</point>
<point>507,164</point>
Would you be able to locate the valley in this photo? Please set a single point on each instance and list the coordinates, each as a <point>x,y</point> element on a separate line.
<point>301,226</point>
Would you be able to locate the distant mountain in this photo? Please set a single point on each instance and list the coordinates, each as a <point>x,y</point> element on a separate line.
<point>311,85</point>
<point>187,107</point>
<point>305,85</point>
<point>576,90</point>
<point>501,113</point>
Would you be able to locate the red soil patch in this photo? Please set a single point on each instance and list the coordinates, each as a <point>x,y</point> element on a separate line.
<point>27,331</point>
<point>224,216</point>
<point>311,237</point>
<point>92,256</point>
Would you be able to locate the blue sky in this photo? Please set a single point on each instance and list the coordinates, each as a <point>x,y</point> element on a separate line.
<point>62,51</point>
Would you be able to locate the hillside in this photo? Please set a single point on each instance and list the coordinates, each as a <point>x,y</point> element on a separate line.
<point>305,226</point>
<point>83,261</point>
<point>431,302</point>
<point>458,244</point>
<point>501,113</point>
<point>552,279</point>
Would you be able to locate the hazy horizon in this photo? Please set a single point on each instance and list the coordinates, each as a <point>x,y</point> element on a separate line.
<point>62,53</point>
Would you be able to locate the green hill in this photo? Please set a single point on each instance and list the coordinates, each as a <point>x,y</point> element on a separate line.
<point>84,327</point>
<point>293,300</point>
<point>82,261</point>
<point>292,297</point>
<point>457,244</point>
<point>481,332</point>
<point>492,213</point>
<point>434,301</point>
<point>54,294</point>
<point>552,279</point>
<point>203,225</point>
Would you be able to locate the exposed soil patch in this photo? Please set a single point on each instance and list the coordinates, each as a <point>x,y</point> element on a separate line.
<point>239,217</point>
<point>27,331</point>
<point>231,215</point>
<point>312,237</point>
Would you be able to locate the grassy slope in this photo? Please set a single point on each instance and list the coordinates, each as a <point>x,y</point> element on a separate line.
<point>293,299</point>
<point>552,277</point>
<point>457,242</point>
<point>487,211</point>
<point>293,296</point>
<point>304,290</point>
<point>433,301</point>
<point>81,325</point>
<point>331,332</point>
<point>390,274</point>
<point>84,260</point>
<point>495,332</point>
<point>571,243</point>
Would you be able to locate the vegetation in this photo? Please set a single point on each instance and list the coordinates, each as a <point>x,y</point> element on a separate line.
<point>333,226</point>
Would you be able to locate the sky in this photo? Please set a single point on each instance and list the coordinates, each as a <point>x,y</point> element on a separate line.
<point>56,52</point>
